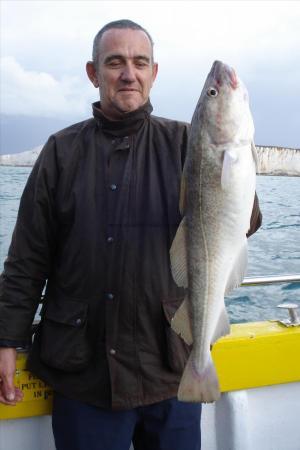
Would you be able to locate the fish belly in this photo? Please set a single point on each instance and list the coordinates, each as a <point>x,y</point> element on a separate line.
<point>217,223</point>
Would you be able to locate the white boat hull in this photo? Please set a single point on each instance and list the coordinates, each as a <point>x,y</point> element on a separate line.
<point>265,418</point>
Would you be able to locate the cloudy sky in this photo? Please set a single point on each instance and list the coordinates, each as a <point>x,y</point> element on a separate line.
<point>45,45</point>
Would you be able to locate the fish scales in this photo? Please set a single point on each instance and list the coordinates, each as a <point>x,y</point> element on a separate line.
<point>209,252</point>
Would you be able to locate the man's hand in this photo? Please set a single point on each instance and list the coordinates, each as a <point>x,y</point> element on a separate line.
<point>9,394</point>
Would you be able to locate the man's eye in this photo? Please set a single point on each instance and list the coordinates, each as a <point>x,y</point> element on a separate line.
<point>141,64</point>
<point>114,64</point>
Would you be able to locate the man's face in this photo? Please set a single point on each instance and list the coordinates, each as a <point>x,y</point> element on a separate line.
<point>125,71</point>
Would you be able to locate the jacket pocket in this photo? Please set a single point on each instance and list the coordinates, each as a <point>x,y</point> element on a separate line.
<point>63,334</point>
<point>177,350</point>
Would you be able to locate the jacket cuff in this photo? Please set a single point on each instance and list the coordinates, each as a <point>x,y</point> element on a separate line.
<point>6,343</point>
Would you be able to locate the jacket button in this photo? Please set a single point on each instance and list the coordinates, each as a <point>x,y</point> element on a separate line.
<point>126,141</point>
<point>78,322</point>
<point>109,296</point>
<point>112,351</point>
<point>113,187</point>
<point>110,239</point>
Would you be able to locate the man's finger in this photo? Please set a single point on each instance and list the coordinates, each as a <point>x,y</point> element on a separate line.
<point>17,398</point>
<point>8,388</point>
<point>18,395</point>
<point>4,400</point>
<point>7,372</point>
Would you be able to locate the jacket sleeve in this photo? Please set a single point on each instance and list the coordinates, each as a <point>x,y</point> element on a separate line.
<point>256,217</point>
<point>30,254</point>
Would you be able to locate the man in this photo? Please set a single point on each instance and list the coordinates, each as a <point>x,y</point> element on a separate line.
<point>96,220</point>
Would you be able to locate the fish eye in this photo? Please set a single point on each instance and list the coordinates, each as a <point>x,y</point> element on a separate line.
<point>212,92</point>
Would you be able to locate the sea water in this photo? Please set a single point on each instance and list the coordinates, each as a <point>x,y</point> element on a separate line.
<point>273,250</point>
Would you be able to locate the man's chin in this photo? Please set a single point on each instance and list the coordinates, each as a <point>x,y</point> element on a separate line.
<point>128,107</point>
<point>118,110</point>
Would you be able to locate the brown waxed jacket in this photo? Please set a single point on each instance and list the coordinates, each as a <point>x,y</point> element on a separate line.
<point>97,219</point>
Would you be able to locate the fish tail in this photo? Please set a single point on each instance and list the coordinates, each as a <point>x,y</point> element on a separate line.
<point>198,386</point>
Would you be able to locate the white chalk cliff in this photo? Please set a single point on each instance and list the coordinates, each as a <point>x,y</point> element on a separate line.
<point>278,161</point>
<point>22,159</point>
<point>271,160</point>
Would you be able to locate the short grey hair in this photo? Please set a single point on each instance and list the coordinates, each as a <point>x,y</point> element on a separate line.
<point>119,24</point>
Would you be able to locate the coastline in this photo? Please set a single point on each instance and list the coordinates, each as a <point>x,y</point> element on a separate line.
<point>272,161</point>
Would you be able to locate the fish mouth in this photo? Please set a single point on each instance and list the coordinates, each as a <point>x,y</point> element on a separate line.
<point>233,78</point>
<point>223,73</point>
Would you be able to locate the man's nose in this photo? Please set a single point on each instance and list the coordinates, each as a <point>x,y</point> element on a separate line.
<point>128,73</point>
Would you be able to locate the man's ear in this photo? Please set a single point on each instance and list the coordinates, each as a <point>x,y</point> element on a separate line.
<point>92,74</point>
<point>154,71</point>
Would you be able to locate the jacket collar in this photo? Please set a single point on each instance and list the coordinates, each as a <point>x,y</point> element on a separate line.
<point>127,126</point>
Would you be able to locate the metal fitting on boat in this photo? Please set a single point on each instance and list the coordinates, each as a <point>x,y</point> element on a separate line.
<point>294,319</point>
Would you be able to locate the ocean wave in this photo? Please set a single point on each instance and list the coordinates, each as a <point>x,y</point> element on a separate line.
<point>282,226</point>
<point>291,287</point>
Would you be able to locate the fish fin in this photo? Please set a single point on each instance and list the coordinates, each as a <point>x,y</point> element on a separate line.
<point>178,256</point>
<point>181,322</point>
<point>182,197</point>
<point>198,386</point>
<point>230,158</point>
<point>238,270</point>
<point>223,326</point>
<point>254,154</point>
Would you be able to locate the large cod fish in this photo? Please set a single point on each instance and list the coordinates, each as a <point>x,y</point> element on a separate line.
<point>209,251</point>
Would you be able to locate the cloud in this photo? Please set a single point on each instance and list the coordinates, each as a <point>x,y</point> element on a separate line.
<point>60,36</point>
<point>32,93</point>
<point>259,39</point>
